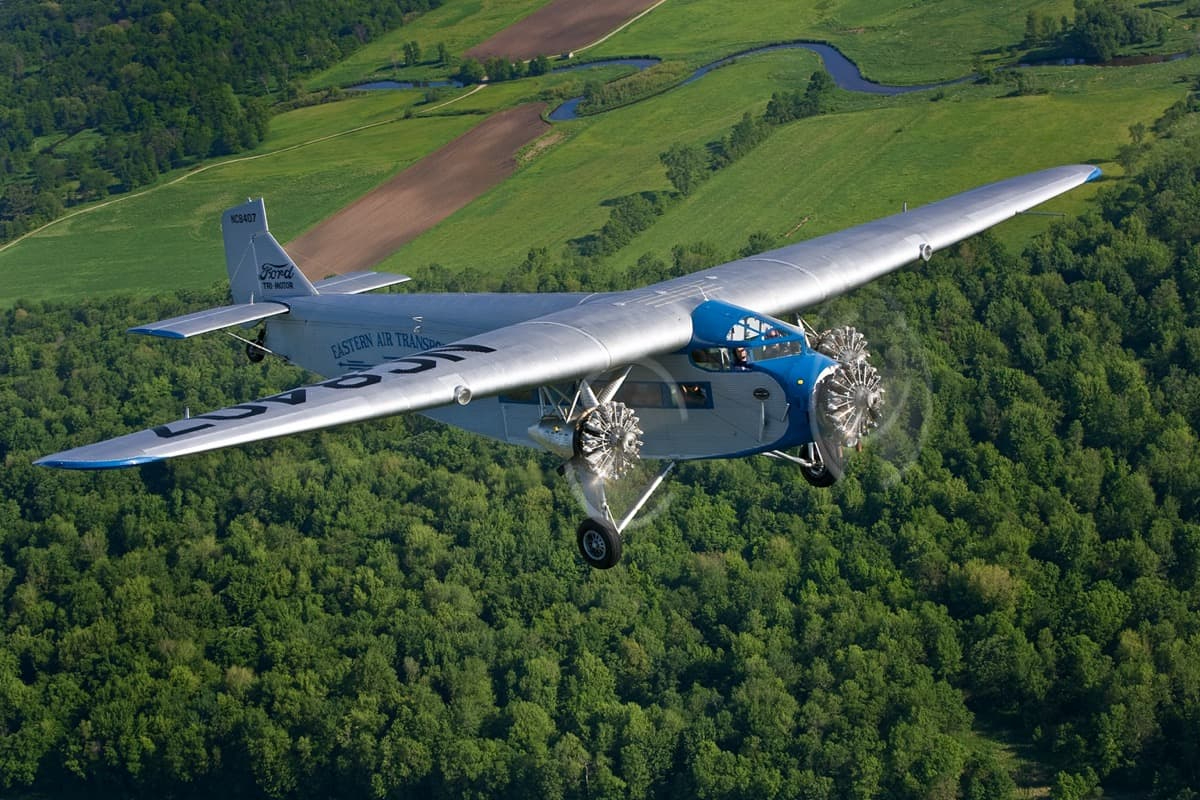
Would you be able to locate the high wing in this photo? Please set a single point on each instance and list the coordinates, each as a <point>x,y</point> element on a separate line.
<point>807,273</point>
<point>605,332</point>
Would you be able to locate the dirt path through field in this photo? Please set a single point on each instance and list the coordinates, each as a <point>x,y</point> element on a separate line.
<point>373,227</point>
<point>560,27</point>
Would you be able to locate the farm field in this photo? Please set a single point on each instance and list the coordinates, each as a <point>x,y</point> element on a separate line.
<point>840,169</point>
<point>892,41</point>
<point>866,159</point>
<point>170,237</point>
<point>834,170</point>
<point>458,25</point>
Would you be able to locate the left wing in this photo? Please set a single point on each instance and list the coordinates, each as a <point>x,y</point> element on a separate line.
<point>557,347</point>
<point>604,332</point>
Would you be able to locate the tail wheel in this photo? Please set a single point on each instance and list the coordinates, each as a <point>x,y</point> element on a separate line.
<point>255,351</point>
<point>599,543</point>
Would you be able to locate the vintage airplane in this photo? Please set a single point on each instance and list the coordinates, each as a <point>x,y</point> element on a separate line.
<point>695,367</point>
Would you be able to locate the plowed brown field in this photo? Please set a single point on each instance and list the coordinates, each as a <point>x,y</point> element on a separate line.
<point>373,227</point>
<point>560,27</point>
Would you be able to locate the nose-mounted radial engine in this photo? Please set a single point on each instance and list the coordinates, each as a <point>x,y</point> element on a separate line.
<point>848,404</point>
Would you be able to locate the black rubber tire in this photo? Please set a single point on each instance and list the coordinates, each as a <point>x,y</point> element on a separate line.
<point>599,543</point>
<point>822,478</point>
<point>255,354</point>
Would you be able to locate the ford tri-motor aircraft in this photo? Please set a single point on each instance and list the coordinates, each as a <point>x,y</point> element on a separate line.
<point>694,367</point>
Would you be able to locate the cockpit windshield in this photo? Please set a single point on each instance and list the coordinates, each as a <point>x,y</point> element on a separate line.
<point>731,338</point>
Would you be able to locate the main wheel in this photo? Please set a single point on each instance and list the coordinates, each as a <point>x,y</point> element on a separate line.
<point>599,544</point>
<point>820,476</point>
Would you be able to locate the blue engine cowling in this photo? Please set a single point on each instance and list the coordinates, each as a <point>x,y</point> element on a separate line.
<point>799,375</point>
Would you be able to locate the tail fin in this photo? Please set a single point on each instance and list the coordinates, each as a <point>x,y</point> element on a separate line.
<point>259,269</point>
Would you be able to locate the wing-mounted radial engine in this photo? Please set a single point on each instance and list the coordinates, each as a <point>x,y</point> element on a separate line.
<point>600,439</point>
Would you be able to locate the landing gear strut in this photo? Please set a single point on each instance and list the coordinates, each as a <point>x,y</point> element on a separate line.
<point>812,465</point>
<point>815,471</point>
<point>600,439</point>
<point>599,536</point>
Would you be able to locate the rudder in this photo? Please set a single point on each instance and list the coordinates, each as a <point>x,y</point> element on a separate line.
<point>259,268</point>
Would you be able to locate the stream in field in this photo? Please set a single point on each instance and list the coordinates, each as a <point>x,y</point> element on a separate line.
<point>845,74</point>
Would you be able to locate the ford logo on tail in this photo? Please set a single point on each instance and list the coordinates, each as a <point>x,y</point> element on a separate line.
<point>275,272</point>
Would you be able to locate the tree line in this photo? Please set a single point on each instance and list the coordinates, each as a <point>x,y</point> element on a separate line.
<point>1099,30</point>
<point>689,165</point>
<point>99,97</point>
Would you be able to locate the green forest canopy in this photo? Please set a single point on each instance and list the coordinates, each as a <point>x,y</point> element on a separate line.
<point>96,95</point>
<point>396,610</point>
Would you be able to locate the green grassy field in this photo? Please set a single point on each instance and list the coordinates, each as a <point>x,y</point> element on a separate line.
<point>892,41</point>
<point>169,236</point>
<point>459,25</point>
<point>832,171</point>
<point>835,170</point>
<point>558,196</point>
<point>862,161</point>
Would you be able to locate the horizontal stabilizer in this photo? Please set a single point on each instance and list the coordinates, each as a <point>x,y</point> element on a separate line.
<point>358,282</point>
<point>211,319</point>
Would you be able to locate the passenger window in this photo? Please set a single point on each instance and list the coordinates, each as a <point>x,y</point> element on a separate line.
<point>713,359</point>
<point>695,395</point>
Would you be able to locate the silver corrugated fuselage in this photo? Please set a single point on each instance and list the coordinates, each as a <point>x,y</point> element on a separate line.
<point>720,415</point>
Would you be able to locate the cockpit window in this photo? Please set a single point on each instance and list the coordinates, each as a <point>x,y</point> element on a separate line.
<point>764,338</point>
<point>750,339</point>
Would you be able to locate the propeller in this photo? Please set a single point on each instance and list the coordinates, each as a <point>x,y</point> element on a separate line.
<point>879,396</point>
<point>852,396</point>
<point>608,439</point>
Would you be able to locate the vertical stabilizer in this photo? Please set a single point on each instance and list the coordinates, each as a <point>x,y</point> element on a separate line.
<point>259,269</point>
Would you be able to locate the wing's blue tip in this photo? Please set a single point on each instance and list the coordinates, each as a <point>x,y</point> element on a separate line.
<point>164,333</point>
<point>72,463</point>
<point>1095,173</point>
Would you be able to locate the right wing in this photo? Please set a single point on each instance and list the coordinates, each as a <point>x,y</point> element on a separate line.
<point>809,272</point>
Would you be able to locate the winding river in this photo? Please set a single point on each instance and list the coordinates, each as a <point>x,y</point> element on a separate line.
<point>845,73</point>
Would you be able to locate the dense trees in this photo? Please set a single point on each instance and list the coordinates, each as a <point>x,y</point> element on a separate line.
<point>1100,29</point>
<point>598,96</point>
<point>161,84</point>
<point>395,609</point>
